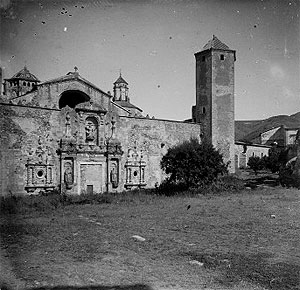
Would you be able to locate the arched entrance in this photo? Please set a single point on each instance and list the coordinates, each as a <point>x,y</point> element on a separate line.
<point>72,98</point>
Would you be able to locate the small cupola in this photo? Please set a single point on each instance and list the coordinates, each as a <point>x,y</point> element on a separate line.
<point>120,90</point>
<point>21,83</point>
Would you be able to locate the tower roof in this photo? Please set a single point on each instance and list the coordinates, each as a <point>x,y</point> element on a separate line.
<point>120,80</point>
<point>25,74</point>
<point>215,43</point>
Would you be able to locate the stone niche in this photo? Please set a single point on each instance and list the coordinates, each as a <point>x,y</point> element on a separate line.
<point>68,172</point>
<point>114,172</point>
<point>91,126</point>
<point>135,169</point>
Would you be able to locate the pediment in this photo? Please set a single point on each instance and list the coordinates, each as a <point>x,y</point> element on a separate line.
<point>75,78</point>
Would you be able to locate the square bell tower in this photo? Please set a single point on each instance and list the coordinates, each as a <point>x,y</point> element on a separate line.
<point>215,97</point>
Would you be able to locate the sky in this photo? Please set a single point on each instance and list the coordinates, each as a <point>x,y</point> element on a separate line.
<point>152,42</point>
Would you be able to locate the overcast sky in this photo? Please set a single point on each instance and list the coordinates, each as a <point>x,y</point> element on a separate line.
<point>153,43</point>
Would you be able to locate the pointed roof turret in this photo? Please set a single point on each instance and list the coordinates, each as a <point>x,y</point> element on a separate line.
<point>26,75</point>
<point>120,80</point>
<point>215,43</point>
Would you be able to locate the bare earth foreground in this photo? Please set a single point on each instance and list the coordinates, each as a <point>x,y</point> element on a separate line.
<point>249,240</point>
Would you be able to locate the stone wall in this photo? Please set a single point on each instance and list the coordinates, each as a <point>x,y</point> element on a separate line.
<point>23,130</point>
<point>48,94</point>
<point>154,137</point>
<point>30,139</point>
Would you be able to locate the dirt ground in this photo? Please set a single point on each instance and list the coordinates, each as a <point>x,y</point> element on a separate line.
<point>249,240</point>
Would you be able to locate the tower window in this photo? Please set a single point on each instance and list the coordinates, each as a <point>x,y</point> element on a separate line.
<point>203,58</point>
<point>203,110</point>
<point>222,57</point>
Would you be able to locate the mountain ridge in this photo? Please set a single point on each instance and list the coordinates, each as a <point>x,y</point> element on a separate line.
<point>247,130</point>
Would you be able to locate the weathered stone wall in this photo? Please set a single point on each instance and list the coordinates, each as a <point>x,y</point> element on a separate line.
<point>154,137</point>
<point>25,131</point>
<point>21,130</point>
<point>223,105</point>
<point>215,100</point>
<point>48,94</point>
<point>202,109</point>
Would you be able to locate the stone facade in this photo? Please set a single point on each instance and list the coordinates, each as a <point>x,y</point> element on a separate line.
<point>68,134</point>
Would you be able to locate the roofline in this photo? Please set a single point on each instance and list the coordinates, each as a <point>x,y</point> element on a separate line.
<point>78,78</point>
<point>291,128</point>
<point>162,120</point>
<point>38,81</point>
<point>218,49</point>
<point>251,144</point>
<point>116,82</point>
<point>119,106</point>
<point>132,106</point>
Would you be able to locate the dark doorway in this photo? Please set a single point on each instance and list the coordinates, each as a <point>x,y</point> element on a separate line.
<point>89,189</point>
<point>72,98</point>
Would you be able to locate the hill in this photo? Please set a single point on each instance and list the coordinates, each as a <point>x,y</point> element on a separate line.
<point>250,129</point>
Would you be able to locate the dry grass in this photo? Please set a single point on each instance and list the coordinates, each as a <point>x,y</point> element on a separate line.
<point>248,240</point>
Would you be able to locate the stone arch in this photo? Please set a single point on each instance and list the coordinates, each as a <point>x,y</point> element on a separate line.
<point>72,98</point>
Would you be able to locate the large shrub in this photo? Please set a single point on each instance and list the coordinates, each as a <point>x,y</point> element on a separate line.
<point>255,163</point>
<point>192,163</point>
<point>276,159</point>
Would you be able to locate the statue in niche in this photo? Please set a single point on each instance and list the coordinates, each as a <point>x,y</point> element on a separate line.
<point>114,176</point>
<point>68,174</point>
<point>90,130</point>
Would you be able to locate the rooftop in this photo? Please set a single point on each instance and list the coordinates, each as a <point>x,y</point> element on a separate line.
<point>215,43</point>
<point>120,80</point>
<point>127,104</point>
<point>25,74</point>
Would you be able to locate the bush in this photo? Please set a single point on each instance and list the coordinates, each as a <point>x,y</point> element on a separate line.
<point>170,188</point>
<point>276,159</point>
<point>255,163</point>
<point>223,184</point>
<point>192,164</point>
<point>287,176</point>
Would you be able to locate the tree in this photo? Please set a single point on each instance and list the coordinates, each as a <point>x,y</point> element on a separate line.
<point>192,163</point>
<point>255,163</point>
<point>275,159</point>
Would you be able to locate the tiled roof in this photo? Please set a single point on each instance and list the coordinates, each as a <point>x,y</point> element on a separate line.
<point>127,104</point>
<point>215,43</point>
<point>120,80</point>
<point>26,75</point>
